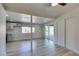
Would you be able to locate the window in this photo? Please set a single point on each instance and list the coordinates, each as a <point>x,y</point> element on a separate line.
<point>28,29</point>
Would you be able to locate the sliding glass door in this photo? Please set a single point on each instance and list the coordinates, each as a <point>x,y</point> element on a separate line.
<point>46,32</point>
<point>49,32</point>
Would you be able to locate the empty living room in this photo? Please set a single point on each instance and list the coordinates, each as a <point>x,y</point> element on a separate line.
<point>39,29</point>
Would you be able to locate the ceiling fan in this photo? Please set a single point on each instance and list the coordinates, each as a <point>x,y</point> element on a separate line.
<point>55,4</point>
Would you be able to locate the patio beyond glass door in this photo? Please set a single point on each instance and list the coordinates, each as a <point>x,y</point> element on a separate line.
<point>49,32</point>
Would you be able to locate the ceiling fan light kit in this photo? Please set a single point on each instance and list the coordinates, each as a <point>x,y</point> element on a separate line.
<point>54,4</point>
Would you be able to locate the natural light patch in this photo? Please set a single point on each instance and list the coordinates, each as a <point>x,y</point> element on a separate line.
<point>28,29</point>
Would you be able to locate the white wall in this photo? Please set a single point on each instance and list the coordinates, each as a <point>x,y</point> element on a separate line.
<point>18,35</point>
<point>2,31</point>
<point>55,32</point>
<point>66,31</point>
<point>61,32</point>
<point>72,29</point>
<point>71,34</point>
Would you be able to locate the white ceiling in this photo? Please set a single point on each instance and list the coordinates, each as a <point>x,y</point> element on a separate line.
<point>40,9</point>
<point>13,16</point>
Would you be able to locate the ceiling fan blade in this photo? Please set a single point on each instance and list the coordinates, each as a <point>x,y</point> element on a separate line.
<point>63,4</point>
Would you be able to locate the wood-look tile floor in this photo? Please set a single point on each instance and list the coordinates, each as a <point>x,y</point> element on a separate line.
<point>41,47</point>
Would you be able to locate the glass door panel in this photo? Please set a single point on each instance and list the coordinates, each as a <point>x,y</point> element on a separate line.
<point>51,33</point>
